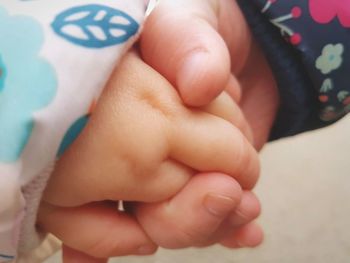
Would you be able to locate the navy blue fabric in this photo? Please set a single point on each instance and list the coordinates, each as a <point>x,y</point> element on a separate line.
<point>310,98</point>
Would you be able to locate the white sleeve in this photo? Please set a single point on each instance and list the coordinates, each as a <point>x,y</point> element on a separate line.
<point>55,58</point>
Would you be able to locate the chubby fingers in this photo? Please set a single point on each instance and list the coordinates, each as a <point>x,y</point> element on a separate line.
<point>194,214</point>
<point>212,144</point>
<point>98,230</point>
<point>211,208</point>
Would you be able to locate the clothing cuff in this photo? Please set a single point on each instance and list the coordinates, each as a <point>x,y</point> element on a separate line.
<point>299,108</point>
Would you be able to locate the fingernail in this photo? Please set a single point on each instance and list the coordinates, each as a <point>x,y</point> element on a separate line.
<point>146,250</point>
<point>219,205</point>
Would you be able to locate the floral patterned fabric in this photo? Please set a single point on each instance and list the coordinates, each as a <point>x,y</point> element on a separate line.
<point>47,49</point>
<point>316,36</point>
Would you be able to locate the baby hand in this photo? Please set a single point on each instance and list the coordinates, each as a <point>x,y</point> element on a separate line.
<point>142,144</point>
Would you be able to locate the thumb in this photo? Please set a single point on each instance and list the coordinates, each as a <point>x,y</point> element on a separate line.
<point>195,44</point>
<point>180,41</point>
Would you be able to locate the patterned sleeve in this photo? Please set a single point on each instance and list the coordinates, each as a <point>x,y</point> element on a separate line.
<point>55,58</point>
<point>307,43</point>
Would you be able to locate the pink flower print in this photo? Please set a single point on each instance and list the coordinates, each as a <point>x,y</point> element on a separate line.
<point>324,11</point>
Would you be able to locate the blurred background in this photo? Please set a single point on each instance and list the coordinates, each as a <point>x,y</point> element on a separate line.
<point>305,193</point>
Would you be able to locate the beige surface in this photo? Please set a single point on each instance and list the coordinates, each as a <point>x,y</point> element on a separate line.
<point>305,192</point>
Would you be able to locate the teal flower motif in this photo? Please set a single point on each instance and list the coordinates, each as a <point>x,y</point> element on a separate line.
<point>331,58</point>
<point>27,83</point>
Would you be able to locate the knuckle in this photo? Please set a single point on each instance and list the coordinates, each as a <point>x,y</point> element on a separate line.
<point>159,103</point>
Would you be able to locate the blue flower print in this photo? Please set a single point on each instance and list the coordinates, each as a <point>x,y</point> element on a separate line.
<point>28,82</point>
